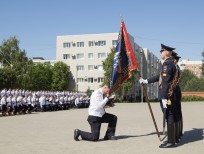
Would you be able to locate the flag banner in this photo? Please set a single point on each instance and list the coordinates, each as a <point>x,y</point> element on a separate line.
<point>124,60</point>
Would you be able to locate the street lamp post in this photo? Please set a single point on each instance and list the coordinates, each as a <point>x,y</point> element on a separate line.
<point>141,72</point>
<point>76,78</point>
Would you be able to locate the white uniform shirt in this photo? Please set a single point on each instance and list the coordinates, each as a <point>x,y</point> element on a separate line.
<point>3,101</point>
<point>42,101</point>
<point>14,101</point>
<point>77,103</point>
<point>8,100</point>
<point>97,103</point>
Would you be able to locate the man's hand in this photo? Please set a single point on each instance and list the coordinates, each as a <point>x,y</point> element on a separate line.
<point>110,102</point>
<point>144,81</point>
<point>164,102</point>
<point>112,96</point>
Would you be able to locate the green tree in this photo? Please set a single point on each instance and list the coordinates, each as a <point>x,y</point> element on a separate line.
<point>13,60</point>
<point>60,76</point>
<point>88,91</point>
<point>108,65</point>
<point>3,78</point>
<point>186,76</point>
<point>41,77</point>
<point>202,64</point>
<point>195,85</point>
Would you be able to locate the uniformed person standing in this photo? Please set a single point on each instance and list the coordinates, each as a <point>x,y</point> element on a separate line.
<point>3,105</point>
<point>97,115</point>
<point>178,111</point>
<point>180,96</point>
<point>168,100</point>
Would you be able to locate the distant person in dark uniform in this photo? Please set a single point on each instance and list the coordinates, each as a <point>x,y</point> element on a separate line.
<point>167,95</point>
<point>178,111</point>
<point>180,96</point>
<point>97,116</point>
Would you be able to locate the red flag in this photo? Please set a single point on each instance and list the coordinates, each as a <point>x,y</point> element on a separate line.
<point>124,60</point>
<point>134,64</point>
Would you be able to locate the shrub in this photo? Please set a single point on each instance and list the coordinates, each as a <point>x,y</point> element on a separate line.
<point>192,98</point>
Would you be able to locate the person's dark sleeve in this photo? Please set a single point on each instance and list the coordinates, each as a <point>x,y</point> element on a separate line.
<point>153,79</point>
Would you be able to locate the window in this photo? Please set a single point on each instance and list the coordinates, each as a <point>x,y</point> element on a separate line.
<point>73,44</point>
<point>66,44</point>
<point>100,67</point>
<point>80,67</point>
<point>101,55</point>
<point>101,43</point>
<point>90,80</point>
<point>114,42</point>
<point>80,80</point>
<point>100,80</point>
<point>91,43</point>
<point>66,56</point>
<point>90,67</point>
<point>80,56</point>
<point>80,44</point>
<point>90,55</point>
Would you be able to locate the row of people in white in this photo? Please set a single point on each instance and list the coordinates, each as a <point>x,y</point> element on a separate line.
<point>14,104</point>
<point>23,92</point>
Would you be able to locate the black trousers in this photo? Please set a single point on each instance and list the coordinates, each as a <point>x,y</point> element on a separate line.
<point>95,123</point>
<point>171,130</point>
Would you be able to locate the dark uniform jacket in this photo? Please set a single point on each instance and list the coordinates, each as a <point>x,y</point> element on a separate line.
<point>167,74</point>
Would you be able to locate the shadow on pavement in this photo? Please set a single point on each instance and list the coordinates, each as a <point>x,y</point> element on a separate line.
<point>121,137</point>
<point>194,135</point>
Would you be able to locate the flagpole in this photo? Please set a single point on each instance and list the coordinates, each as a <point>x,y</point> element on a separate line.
<point>150,109</point>
<point>121,18</point>
<point>133,66</point>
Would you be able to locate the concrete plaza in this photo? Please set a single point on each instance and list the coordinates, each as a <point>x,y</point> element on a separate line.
<point>52,132</point>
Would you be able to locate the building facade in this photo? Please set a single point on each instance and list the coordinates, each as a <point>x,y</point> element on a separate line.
<point>42,60</point>
<point>150,66</point>
<point>85,54</point>
<point>194,66</point>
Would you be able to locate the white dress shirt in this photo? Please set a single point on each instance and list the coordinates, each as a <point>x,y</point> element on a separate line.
<point>97,103</point>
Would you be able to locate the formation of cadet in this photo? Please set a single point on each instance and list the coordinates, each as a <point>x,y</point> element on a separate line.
<point>20,101</point>
<point>169,95</point>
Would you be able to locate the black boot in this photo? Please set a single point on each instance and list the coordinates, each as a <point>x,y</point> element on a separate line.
<point>110,134</point>
<point>171,137</point>
<point>167,145</point>
<point>76,134</point>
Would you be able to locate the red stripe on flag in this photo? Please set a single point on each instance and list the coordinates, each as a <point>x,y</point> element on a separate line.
<point>134,64</point>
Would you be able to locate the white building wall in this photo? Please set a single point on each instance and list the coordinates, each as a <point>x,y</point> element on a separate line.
<point>73,62</point>
<point>151,67</point>
<point>52,62</point>
<point>147,57</point>
<point>194,66</point>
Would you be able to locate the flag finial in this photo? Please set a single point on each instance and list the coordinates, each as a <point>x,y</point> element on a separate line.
<point>121,18</point>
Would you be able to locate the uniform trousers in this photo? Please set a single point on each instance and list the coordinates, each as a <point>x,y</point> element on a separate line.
<point>171,129</point>
<point>95,123</point>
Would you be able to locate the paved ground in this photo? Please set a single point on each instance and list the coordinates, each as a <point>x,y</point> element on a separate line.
<point>52,133</point>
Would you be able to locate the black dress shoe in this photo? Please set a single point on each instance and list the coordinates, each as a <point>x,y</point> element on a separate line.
<point>76,134</point>
<point>111,138</point>
<point>167,145</point>
<point>177,140</point>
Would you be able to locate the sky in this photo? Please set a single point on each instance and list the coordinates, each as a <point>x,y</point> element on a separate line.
<point>37,23</point>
